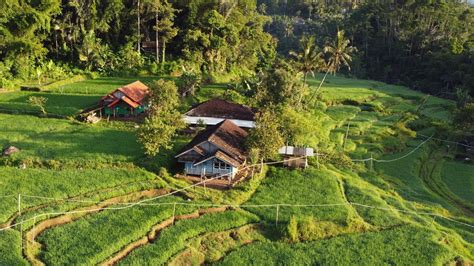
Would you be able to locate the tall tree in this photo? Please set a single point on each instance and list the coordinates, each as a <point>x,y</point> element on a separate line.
<point>163,119</point>
<point>310,58</point>
<point>281,85</point>
<point>265,137</point>
<point>166,26</point>
<point>340,54</point>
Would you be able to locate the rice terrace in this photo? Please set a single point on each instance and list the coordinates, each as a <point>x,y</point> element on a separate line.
<point>249,132</point>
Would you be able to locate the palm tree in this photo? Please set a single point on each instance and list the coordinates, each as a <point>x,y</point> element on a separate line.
<point>339,55</point>
<point>310,58</point>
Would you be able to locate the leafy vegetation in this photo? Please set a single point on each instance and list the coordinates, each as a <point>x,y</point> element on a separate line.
<point>163,119</point>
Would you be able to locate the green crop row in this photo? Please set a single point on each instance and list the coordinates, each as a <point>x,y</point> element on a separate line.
<point>173,240</point>
<point>405,245</point>
<point>94,238</point>
<point>311,186</point>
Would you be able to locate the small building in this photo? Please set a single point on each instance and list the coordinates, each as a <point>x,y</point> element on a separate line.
<point>295,157</point>
<point>216,151</point>
<point>129,100</point>
<point>214,111</point>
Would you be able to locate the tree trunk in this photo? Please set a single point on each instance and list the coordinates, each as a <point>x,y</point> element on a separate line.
<point>163,49</point>
<point>157,43</point>
<point>138,26</point>
<point>322,81</point>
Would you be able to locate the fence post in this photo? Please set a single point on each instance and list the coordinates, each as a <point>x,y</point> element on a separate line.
<point>19,204</point>
<point>345,138</point>
<point>277,213</point>
<point>317,157</point>
<point>174,211</point>
<point>371,162</point>
<point>21,236</point>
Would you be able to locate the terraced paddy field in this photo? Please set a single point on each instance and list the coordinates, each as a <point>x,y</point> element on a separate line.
<point>459,177</point>
<point>89,196</point>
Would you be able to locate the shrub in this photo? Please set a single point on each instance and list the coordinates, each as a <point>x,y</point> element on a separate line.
<point>293,229</point>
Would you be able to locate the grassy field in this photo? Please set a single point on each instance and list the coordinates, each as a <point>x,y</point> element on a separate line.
<point>62,140</point>
<point>102,85</point>
<point>399,246</point>
<point>56,104</point>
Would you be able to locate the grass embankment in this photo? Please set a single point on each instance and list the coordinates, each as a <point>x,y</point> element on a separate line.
<point>407,245</point>
<point>173,239</point>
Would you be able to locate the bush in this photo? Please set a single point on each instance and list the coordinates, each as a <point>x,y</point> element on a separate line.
<point>293,229</point>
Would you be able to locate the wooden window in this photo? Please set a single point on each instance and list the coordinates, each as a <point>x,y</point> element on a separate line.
<point>221,165</point>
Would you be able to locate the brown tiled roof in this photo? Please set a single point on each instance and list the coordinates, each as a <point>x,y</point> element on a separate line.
<point>226,135</point>
<point>222,109</point>
<point>228,159</point>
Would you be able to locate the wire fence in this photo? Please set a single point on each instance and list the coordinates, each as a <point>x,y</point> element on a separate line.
<point>145,202</point>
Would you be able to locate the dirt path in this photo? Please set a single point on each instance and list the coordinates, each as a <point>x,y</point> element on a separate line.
<point>155,231</point>
<point>32,247</point>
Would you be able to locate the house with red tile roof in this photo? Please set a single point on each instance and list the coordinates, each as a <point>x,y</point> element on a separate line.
<point>216,151</point>
<point>129,100</point>
<point>214,111</point>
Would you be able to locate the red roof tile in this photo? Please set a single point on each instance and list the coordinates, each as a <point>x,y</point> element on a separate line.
<point>136,91</point>
<point>133,94</point>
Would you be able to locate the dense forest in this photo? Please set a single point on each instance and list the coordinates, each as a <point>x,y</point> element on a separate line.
<point>427,45</point>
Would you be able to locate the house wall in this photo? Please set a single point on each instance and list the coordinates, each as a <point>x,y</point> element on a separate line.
<point>208,147</point>
<point>122,110</point>
<point>208,168</point>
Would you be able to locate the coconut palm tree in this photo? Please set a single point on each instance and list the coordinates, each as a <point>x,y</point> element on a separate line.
<point>310,58</point>
<point>339,55</point>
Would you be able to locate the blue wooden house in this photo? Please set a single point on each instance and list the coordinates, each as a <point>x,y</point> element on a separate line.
<point>217,151</point>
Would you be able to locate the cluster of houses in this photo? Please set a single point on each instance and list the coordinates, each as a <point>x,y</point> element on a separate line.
<point>216,151</point>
